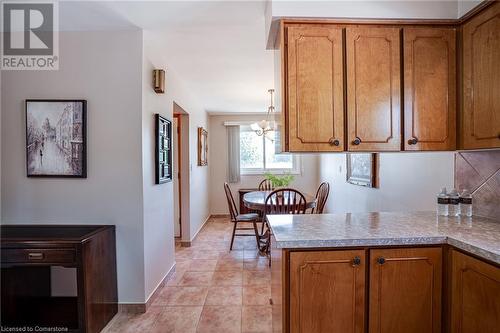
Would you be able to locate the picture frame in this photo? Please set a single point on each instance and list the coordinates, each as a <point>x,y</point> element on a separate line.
<point>56,138</point>
<point>202,146</point>
<point>362,169</point>
<point>163,150</point>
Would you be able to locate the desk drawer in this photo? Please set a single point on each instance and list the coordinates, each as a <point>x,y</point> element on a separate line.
<point>38,255</point>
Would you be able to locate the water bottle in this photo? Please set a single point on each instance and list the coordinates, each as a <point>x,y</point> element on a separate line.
<point>466,203</point>
<point>442,203</point>
<point>453,203</point>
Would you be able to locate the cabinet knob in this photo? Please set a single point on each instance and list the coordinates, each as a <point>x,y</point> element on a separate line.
<point>381,260</point>
<point>413,141</point>
<point>356,141</point>
<point>356,261</point>
<point>334,142</point>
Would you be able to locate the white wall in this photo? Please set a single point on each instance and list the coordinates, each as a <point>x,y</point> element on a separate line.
<point>466,6</point>
<point>385,9</point>
<point>105,69</point>
<point>407,182</point>
<point>158,199</point>
<point>306,182</point>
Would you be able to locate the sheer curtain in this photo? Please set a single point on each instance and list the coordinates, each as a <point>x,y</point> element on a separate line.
<point>233,149</point>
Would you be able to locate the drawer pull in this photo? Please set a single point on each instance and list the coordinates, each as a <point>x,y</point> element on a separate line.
<point>356,261</point>
<point>413,141</point>
<point>35,256</point>
<point>381,260</point>
<point>334,142</point>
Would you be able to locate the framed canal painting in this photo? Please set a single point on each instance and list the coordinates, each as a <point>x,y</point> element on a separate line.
<point>56,138</point>
<point>163,150</point>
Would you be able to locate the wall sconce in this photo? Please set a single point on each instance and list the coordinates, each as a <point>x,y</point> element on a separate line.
<point>159,81</point>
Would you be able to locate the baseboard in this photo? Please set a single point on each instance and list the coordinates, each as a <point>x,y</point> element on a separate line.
<point>189,242</point>
<point>219,216</point>
<point>143,307</point>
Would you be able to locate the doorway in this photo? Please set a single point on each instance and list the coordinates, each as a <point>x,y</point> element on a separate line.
<point>181,173</point>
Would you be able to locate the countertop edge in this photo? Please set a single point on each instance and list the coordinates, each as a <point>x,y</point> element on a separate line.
<point>338,243</point>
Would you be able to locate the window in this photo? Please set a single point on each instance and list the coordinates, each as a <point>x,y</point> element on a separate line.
<point>257,155</point>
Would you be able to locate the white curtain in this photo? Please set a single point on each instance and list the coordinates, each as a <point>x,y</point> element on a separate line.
<point>233,149</point>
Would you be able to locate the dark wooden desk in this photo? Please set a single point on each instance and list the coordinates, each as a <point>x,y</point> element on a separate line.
<point>29,252</point>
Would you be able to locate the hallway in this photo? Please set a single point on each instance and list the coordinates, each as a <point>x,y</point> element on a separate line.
<point>212,290</point>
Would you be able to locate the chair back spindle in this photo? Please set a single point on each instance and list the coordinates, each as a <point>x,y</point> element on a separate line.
<point>321,198</point>
<point>233,211</point>
<point>266,185</point>
<point>285,201</point>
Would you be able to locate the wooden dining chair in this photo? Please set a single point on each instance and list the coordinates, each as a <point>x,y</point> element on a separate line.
<point>240,218</point>
<point>266,185</point>
<point>321,198</point>
<point>281,201</point>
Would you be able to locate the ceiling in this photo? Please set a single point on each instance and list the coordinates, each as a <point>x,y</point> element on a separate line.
<point>217,47</point>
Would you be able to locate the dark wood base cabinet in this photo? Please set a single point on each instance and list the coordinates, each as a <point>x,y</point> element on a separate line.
<point>383,290</point>
<point>475,295</point>
<point>58,277</point>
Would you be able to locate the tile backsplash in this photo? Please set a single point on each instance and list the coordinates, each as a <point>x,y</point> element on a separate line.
<point>479,172</point>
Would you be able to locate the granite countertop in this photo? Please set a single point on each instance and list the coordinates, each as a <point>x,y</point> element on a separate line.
<point>476,235</point>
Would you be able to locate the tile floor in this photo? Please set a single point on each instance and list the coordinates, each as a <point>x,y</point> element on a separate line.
<point>212,290</point>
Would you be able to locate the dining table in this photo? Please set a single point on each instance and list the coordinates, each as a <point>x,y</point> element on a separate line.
<point>256,200</point>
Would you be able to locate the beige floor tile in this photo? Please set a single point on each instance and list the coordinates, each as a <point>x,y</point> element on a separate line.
<point>177,319</point>
<point>182,296</point>
<point>228,295</point>
<point>196,279</point>
<point>256,319</point>
<point>256,295</point>
<point>234,254</point>
<point>130,323</point>
<point>256,278</point>
<point>251,254</point>
<point>182,265</point>
<point>227,278</point>
<point>205,254</point>
<point>229,264</point>
<point>220,319</point>
<point>175,278</point>
<point>256,264</point>
<point>202,265</point>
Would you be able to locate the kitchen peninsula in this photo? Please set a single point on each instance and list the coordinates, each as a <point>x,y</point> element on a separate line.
<point>379,272</point>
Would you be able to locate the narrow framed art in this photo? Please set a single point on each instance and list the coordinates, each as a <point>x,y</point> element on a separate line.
<point>362,169</point>
<point>56,140</point>
<point>163,150</point>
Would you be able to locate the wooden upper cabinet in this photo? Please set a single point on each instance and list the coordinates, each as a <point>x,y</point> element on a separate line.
<point>327,291</point>
<point>314,106</point>
<point>373,88</point>
<point>475,295</point>
<point>481,80</point>
<point>405,290</point>
<point>429,89</point>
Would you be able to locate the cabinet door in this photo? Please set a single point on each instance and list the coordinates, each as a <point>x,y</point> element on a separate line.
<point>430,89</point>
<point>373,89</point>
<point>475,295</point>
<point>481,80</point>
<point>315,98</point>
<point>327,291</point>
<point>405,290</point>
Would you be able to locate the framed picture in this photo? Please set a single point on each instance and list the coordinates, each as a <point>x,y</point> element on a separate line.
<point>56,143</point>
<point>163,150</point>
<point>202,146</point>
<point>362,169</point>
